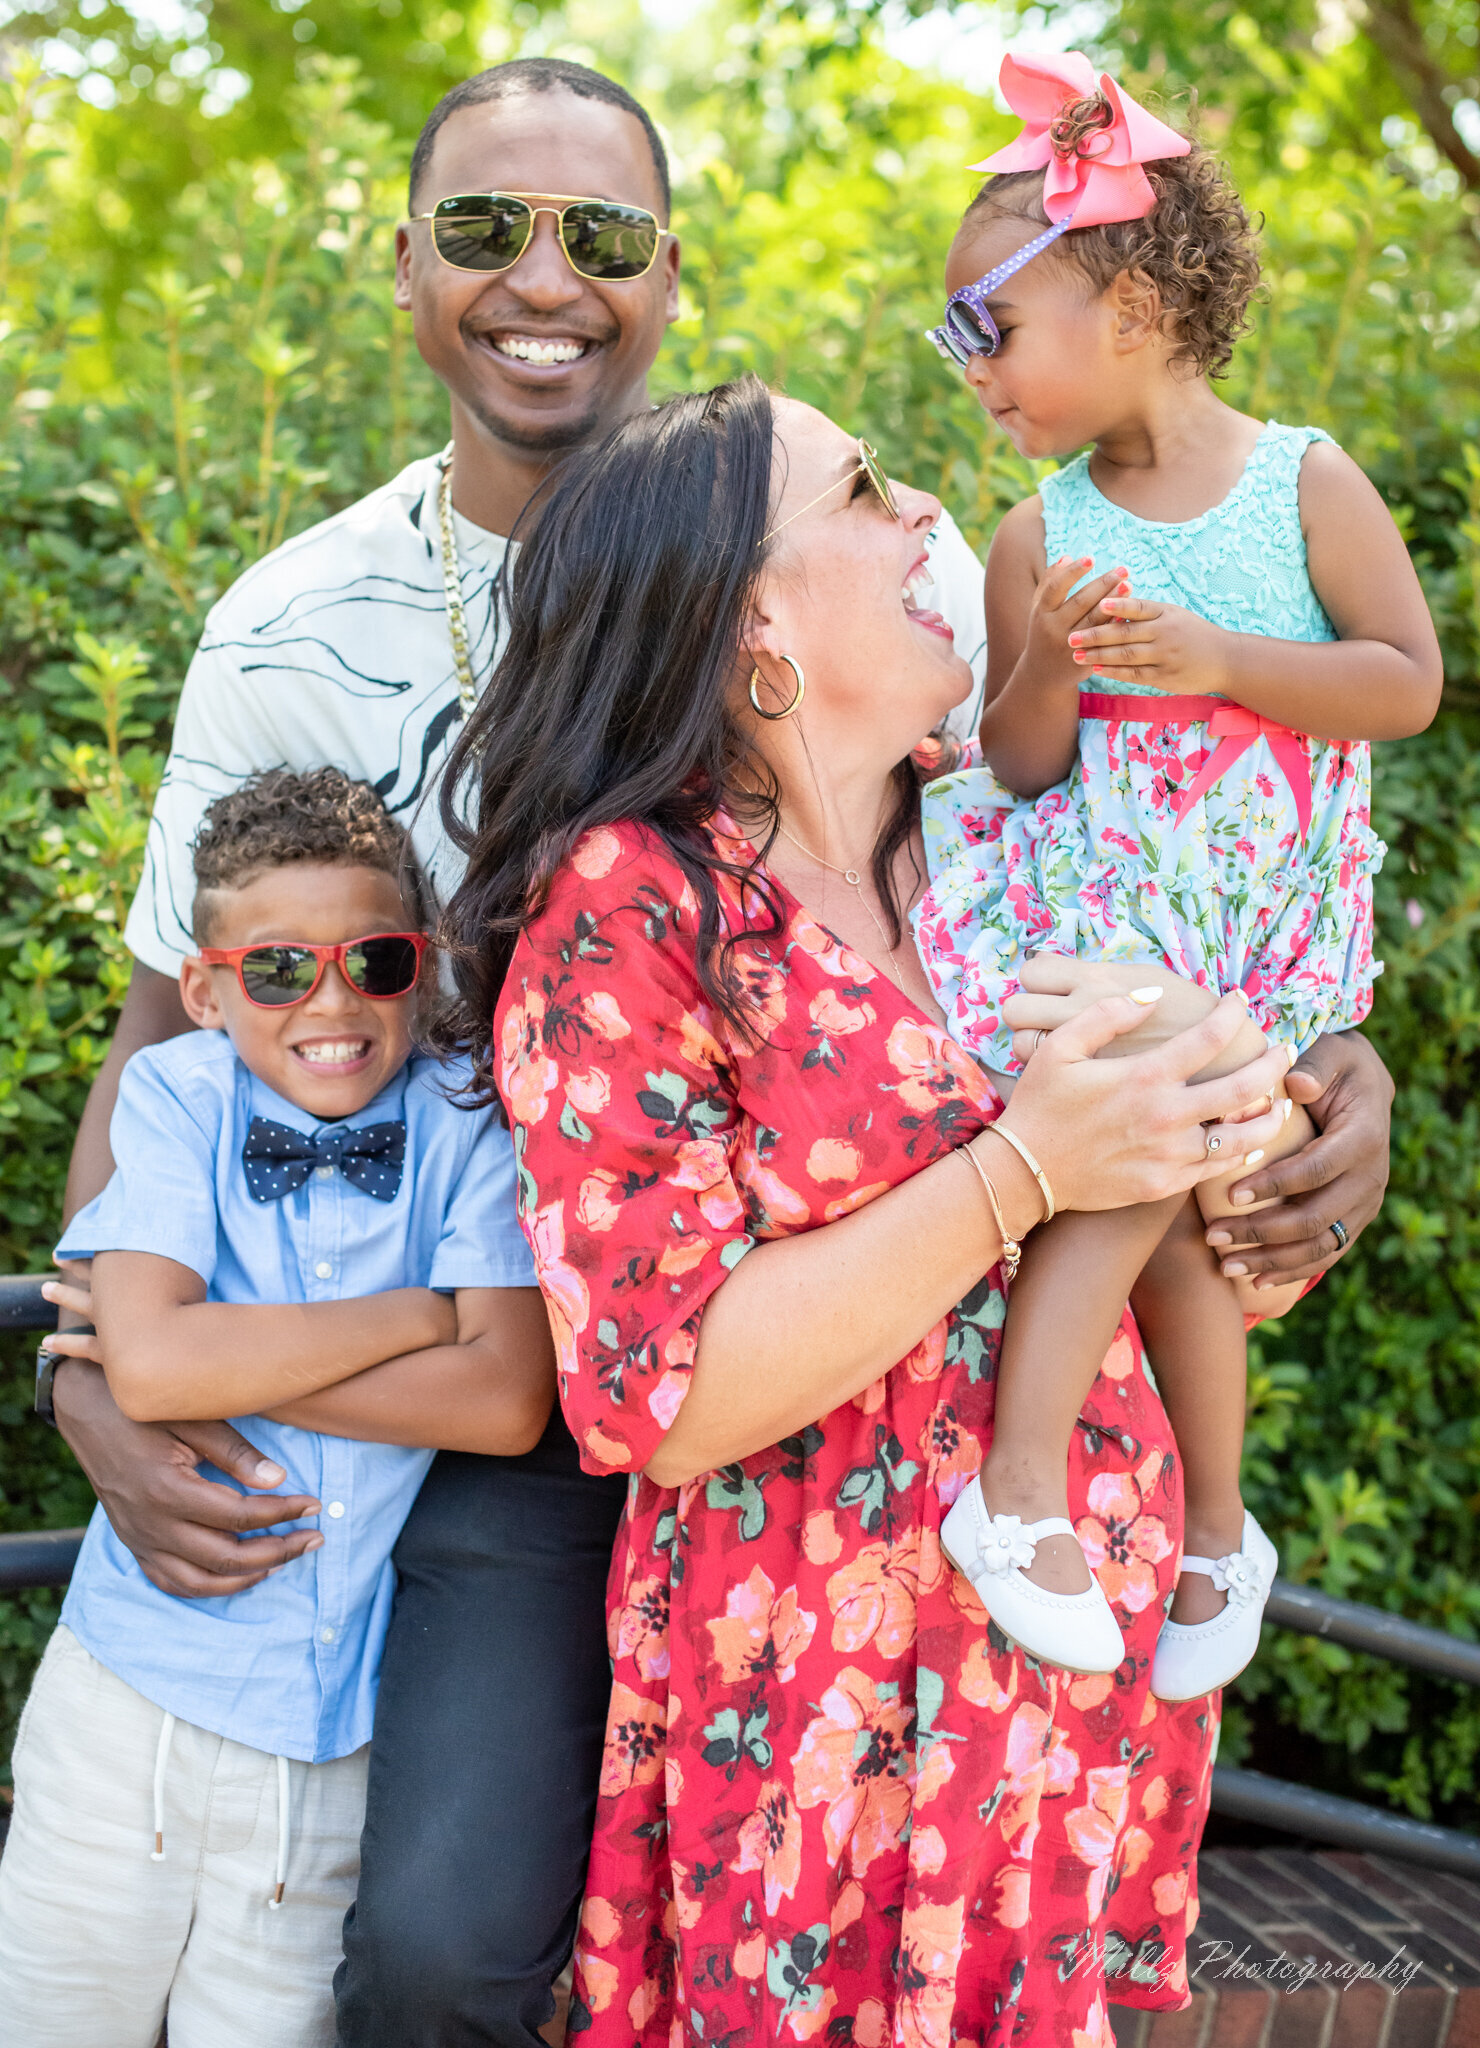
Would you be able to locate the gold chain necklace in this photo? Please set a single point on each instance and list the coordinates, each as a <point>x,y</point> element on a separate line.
<point>457,618</point>
<point>851,876</point>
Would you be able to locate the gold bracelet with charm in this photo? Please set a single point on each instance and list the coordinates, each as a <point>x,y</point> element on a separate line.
<point>1012,1251</point>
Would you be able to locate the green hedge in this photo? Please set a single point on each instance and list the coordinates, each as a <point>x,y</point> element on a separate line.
<point>252,378</point>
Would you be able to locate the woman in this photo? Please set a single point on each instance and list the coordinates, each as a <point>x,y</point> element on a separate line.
<point>768,1211</point>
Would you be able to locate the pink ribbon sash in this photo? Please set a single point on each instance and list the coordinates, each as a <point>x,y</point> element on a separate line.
<point>1235,730</point>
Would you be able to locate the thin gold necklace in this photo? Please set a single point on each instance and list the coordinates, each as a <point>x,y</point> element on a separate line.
<point>852,876</point>
<point>457,618</point>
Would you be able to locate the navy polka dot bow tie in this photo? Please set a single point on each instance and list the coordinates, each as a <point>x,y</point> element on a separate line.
<point>279,1159</point>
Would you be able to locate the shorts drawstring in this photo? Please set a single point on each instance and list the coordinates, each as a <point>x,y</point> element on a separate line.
<point>284,1811</point>
<point>161,1759</point>
<point>283,1834</point>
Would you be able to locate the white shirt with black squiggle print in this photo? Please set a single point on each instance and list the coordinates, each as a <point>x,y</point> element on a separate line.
<point>334,650</point>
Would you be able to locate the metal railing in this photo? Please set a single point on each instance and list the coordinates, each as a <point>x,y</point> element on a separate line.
<point>46,1558</point>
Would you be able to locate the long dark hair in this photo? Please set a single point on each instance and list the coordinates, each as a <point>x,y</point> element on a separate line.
<point>611,700</point>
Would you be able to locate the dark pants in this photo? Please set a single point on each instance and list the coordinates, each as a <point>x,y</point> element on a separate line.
<point>487,1750</point>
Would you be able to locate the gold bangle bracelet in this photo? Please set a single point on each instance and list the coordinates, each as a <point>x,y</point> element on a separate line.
<point>996,1131</point>
<point>1012,1251</point>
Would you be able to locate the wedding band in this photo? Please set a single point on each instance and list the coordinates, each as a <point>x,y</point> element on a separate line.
<point>1341,1234</point>
<point>1038,1038</point>
<point>1215,1143</point>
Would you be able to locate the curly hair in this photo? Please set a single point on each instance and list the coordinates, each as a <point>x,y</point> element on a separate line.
<point>1198,246</point>
<point>278,818</point>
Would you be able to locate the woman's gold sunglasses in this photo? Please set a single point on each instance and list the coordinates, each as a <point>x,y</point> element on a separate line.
<point>490,231</point>
<point>872,468</point>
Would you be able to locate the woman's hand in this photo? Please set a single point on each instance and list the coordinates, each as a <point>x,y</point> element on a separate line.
<point>1054,988</point>
<point>1108,1133</point>
<point>1339,1177</point>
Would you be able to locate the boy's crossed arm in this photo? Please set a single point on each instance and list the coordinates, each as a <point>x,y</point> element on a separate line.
<point>470,1371</point>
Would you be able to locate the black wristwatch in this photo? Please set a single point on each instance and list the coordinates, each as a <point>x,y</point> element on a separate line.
<point>46,1365</point>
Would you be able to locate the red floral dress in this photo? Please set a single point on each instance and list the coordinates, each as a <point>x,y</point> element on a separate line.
<point>835,1806</point>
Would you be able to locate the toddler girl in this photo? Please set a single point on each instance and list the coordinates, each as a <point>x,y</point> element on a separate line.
<point>1194,631</point>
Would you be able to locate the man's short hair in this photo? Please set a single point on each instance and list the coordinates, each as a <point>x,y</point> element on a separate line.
<point>276,819</point>
<point>537,74</point>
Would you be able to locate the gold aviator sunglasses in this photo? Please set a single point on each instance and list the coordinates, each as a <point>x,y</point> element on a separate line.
<point>490,231</point>
<point>868,461</point>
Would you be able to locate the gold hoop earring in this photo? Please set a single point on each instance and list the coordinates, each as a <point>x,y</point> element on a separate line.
<point>796,702</point>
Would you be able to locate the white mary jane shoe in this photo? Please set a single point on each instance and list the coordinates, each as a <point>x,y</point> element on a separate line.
<point>1075,1631</point>
<point>1191,1661</point>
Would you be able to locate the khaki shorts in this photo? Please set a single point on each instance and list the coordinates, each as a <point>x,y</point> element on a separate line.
<point>99,1943</point>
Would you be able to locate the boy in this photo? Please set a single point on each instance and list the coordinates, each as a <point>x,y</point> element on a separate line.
<point>296,1201</point>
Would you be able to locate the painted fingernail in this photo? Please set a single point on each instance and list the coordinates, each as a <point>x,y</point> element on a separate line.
<point>1217,1237</point>
<point>1291,1054</point>
<point>1289,1109</point>
<point>1241,996</point>
<point>268,1474</point>
<point>1076,639</point>
<point>1080,657</point>
<point>1234,1269</point>
<point>1253,1158</point>
<point>1242,1195</point>
<point>1151,994</point>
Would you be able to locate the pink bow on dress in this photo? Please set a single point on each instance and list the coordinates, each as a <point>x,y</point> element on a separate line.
<point>1101,180</point>
<point>1235,730</point>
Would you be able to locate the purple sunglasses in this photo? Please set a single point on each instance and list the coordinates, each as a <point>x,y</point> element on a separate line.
<point>969,329</point>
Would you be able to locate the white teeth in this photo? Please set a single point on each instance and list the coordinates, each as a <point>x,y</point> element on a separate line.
<point>335,1054</point>
<point>920,585</point>
<point>539,351</point>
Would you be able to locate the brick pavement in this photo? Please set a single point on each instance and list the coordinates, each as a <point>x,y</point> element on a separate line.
<point>1325,1950</point>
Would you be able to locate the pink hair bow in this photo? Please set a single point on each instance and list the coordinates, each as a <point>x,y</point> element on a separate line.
<point>1102,181</point>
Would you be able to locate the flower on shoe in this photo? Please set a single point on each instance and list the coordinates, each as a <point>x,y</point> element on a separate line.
<point>1005,1543</point>
<point>1238,1577</point>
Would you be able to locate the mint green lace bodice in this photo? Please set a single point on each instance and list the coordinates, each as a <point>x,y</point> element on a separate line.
<point>1242,565</point>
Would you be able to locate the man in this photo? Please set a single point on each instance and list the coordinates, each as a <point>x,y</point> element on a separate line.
<point>339,648</point>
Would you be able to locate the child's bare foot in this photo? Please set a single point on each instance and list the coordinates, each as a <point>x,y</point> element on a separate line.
<point>1058,1563</point>
<point>1197,1598</point>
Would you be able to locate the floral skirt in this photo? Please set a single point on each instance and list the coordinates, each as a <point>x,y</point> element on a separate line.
<point>1230,890</point>
<point>836,1805</point>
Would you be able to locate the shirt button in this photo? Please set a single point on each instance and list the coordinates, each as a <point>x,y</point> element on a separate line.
<point>324,1270</point>
<point>336,1508</point>
<point>324,1172</point>
<point>326,1635</point>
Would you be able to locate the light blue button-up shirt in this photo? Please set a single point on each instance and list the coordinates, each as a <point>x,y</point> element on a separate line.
<point>289,1666</point>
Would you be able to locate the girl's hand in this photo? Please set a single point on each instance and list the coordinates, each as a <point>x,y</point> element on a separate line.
<point>1055,614</point>
<point>1161,645</point>
<point>1109,1133</point>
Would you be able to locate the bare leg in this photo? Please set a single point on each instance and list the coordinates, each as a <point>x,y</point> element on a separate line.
<point>1194,1330</point>
<point>1067,1301</point>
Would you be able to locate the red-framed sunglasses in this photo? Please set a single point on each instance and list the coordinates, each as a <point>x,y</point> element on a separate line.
<point>280,972</point>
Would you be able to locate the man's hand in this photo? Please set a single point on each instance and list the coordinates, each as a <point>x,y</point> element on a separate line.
<point>182,1527</point>
<point>1339,1177</point>
<point>1161,645</point>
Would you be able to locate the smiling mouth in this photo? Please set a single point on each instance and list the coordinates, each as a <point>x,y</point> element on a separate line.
<point>916,586</point>
<point>546,351</point>
<point>328,1053</point>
